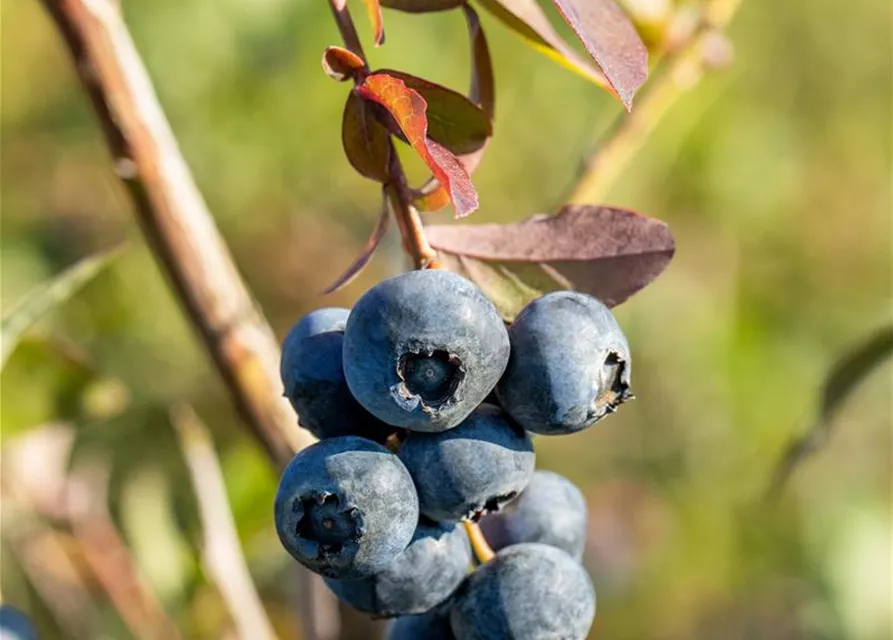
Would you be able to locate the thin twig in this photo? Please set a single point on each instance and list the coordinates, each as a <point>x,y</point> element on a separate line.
<point>408,220</point>
<point>175,219</point>
<point>320,613</point>
<point>108,557</point>
<point>42,553</point>
<point>680,72</point>
<point>222,554</point>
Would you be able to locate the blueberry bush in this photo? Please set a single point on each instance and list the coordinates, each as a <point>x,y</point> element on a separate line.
<point>436,403</point>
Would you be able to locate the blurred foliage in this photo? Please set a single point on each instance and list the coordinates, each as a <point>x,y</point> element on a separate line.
<point>774,176</point>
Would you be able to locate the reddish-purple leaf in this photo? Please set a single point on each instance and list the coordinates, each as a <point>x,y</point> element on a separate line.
<point>606,252</point>
<point>433,196</point>
<point>421,6</point>
<point>611,39</point>
<point>454,121</point>
<point>366,141</point>
<point>341,64</point>
<point>483,87</point>
<point>381,227</point>
<point>373,8</point>
<point>527,19</point>
<point>408,109</point>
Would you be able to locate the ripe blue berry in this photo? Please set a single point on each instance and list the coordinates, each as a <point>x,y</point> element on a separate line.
<point>551,510</point>
<point>313,377</point>
<point>434,625</point>
<point>472,469</point>
<point>527,592</point>
<point>423,349</point>
<point>424,575</point>
<point>345,507</point>
<point>569,366</point>
<point>15,625</point>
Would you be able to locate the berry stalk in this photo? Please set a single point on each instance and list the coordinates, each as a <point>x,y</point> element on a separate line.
<point>415,243</point>
<point>482,550</point>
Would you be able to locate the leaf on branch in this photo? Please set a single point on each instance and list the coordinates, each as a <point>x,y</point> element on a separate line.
<point>454,121</point>
<point>433,196</point>
<point>605,252</point>
<point>602,27</point>
<point>373,8</point>
<point>366,141</point>
<point>843,378</point>
<point>527,19</point>
<point>378,234</point>
<point>483,87</point>
<point>341,64</point>
<point>408,109</point>
<point>482,91</point>
<point>47,297</point>
<point>611,39</point>
<point>421,6</point>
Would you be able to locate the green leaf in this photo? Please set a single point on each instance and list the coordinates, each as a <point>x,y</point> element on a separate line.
<point>844,377</point>
<point>852,368</point>
<point>47,297</point>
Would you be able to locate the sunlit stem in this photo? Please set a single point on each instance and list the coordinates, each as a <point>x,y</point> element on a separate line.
<point>482,550</point>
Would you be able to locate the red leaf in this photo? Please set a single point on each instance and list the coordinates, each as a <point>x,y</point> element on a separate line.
<point>606,252</point>
<point>373,8</point>
<point>366,141</point>
<point>454,121</point>
<point>611,40</point>
<point>341,64</point>
<point>366,254</point>
<point>433,196</point>
<point>408,109</point>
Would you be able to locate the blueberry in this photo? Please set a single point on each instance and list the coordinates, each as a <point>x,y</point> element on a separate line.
<point>569,366</point>
<point>345,507</point>
<point>472,469</point>
<point>314,382</point>
<point>434,625</point>
<point>15,625</point>
<point>423,349</point>
<point>527,592</point>
<point>417,580</point>
<point>551,510</point>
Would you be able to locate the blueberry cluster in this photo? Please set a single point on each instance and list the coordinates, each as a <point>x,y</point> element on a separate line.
<point>424,404</point>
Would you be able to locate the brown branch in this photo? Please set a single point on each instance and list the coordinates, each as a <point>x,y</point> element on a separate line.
<point>408,220</point>
<point>221,551</point>
<point>681,71</point>
<point>176,221</point>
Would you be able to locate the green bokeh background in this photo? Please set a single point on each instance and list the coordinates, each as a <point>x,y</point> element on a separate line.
<point>774,175</point>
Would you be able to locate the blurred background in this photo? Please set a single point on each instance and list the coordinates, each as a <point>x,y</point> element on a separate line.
<point>774,175</point>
